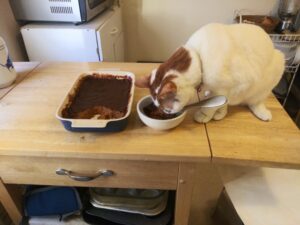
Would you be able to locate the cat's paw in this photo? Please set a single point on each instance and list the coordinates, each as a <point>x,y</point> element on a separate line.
<point>221,113</point>
<point>261,112</point>
<point>265,115</point>
<point>202,117</point>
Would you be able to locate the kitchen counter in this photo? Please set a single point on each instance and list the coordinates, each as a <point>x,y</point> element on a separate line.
<point>31,107</point>
<point>242,139</point>
<point>34,144</point>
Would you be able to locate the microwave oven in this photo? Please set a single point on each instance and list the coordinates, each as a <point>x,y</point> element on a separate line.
<point>74,11</point>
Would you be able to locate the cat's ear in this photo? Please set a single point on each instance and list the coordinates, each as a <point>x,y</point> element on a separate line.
<point>143,82</point>
<point>168,89</point>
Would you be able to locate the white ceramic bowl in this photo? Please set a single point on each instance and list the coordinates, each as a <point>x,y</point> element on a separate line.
<point>156,123</point>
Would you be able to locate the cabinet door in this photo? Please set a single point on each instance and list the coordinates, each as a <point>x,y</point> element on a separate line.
<point>107,35</point>
<point>119,48</point>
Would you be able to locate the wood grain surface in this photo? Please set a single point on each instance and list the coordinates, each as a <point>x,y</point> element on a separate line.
<point>241,138</point>
<point>126,173</point>
<point>184,194</point>
<point>29,128</point>
<point>11,201</point>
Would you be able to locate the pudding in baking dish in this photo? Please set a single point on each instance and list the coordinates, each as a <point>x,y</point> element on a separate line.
<point>99,96</point>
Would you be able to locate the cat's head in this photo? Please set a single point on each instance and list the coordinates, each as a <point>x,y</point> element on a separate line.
<point>171,85</point>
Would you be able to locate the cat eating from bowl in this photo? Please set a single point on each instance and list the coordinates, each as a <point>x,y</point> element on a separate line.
<point>238,61</point>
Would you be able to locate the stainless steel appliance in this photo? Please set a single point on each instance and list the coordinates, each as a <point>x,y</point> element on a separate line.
<point>75,11</point>
<point>287,11</point>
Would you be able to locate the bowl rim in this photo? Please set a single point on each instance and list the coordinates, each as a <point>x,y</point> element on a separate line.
<point>150,118</point>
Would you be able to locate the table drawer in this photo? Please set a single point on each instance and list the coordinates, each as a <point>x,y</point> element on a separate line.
<point>127,174</point>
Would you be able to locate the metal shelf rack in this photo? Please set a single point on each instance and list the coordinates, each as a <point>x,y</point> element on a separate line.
<point>290,68</point>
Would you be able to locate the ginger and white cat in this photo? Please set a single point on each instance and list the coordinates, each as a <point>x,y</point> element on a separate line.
<point>238,61</point>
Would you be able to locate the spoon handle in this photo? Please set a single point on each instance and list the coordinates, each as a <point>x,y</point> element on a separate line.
<point>214,101</point>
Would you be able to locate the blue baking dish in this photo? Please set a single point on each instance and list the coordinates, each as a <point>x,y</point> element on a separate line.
<point>96,125</point>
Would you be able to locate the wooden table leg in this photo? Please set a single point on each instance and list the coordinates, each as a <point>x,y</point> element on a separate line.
<point>10,198</point>
<point>184,193</point>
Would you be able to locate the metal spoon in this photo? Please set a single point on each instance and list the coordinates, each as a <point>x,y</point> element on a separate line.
<point>215,101</point>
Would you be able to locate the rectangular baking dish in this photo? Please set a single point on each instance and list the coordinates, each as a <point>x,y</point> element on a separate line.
<point>96,125</point>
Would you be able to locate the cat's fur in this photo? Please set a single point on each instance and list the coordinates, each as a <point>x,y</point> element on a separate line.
<point>238,61</point>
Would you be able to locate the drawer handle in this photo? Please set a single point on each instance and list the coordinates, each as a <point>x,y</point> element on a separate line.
<point>78,177</point>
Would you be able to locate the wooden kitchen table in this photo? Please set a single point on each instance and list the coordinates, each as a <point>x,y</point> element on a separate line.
<point>33,143</point>
<point>242,139</point>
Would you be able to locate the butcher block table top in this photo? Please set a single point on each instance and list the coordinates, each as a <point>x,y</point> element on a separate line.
<point>240,138</point>
<point>34,144</point>
<point>28,125</point>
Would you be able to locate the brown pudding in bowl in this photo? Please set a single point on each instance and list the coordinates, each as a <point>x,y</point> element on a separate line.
<point>156,113</point>
<point>154,118</point>
<point>99,96</point>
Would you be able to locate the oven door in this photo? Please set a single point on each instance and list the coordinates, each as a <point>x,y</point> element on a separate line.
<point>94,7</point>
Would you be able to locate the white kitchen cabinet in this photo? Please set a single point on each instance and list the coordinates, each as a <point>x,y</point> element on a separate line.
<point>98,40</point>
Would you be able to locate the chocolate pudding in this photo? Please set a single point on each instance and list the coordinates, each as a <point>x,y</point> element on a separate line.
<point>156,113</point>
<point>99,97</point>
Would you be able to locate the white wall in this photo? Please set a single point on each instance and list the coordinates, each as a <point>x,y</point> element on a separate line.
<point>9,30</point>
<point>155,28</point>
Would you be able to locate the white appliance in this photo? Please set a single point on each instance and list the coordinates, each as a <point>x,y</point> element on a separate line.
<point>76,11</point>
<point>98,40</point>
